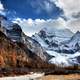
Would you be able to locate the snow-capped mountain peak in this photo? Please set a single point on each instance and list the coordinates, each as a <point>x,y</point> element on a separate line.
<point>49,31</point>
<point>56,46</point>
<point>60,44</point>
<point>52,37</point>
<point>76,36</point>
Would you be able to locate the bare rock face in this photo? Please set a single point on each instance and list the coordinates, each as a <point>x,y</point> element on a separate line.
<point>14,32</point>
<point>11,55</point>
<point>18,55</point>
<point>19,50</point>
<point>35,47</point>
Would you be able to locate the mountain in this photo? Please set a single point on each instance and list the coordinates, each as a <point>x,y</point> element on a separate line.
<point>52,38</point>
<point>11,55</point>
<point>75,40</point>
<point>24,51</point>
<point>14,32</point>
<point>61,44</point>
<point>49,47</point>
<point>73,45</point>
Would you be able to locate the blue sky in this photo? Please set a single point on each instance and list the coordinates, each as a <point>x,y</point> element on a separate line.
<point>33,15</point>
<point>32,9</point>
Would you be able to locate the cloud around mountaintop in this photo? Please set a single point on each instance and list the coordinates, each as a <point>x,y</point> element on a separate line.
<point>31,26</point>
<point>71,9</point>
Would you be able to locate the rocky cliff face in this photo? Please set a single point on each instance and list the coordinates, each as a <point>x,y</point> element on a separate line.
<point>14,32</point>
<point>10,53</point>
<point>18,55</point>
<point>19,50</point>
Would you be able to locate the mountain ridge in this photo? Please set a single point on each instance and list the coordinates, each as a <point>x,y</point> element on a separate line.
<point>46,46</point>
<point>59,47</point>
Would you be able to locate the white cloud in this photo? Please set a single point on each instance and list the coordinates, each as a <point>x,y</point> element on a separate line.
<point>1,9</point>
<point>1,6</point>
<point>48,6</point>
<point>70,7</point>
<point>42,5</point>
<point>74,25</point>
<point>31,27</point>
<point>71,10</point>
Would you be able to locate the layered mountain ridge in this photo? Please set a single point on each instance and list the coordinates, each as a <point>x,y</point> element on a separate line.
<point>15,34</point>
<point>20,51</point>
<point>49,47</point>
<point>61,44</point>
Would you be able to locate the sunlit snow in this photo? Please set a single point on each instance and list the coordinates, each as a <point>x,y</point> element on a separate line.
<point>63,59</point>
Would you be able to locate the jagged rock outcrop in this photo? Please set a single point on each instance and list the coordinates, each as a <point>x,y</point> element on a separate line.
<point>14,32</point>
<point>16,55</point>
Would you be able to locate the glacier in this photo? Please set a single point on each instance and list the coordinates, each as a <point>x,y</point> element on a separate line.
<point>61,44</point>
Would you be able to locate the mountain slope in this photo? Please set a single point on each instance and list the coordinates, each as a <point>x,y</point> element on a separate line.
<point>73,45</point>
<point>30,48</point>
<point>49,47</point>
<point>52,38</point>
<point>11,53</point>
<point>61,44</point>
<point>14,55</point>
<point>14,32</point>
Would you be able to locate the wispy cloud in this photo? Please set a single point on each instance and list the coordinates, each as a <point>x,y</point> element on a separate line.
<point>2,9</point>
<point>71,8</point>
<point>31,26</point>
<point>43,5</point>
<point>1,6</point>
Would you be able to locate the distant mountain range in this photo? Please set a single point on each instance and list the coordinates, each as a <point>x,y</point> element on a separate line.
<point>62,44</point>
<point>46,49</point>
